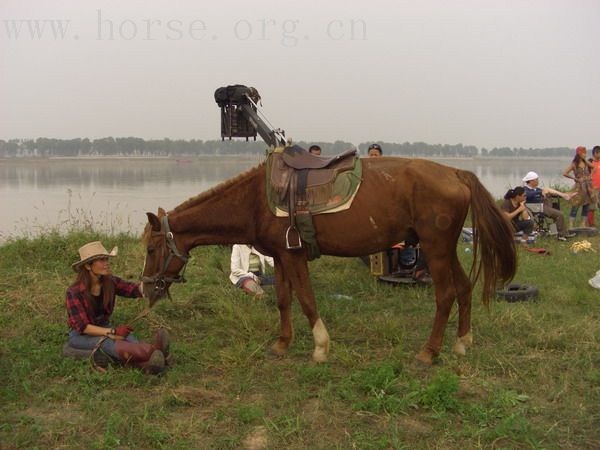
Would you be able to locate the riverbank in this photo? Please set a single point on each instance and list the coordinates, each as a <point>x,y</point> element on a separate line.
<point>532,378</point>
<point>191,158</point>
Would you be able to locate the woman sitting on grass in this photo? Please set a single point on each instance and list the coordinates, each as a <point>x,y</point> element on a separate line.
<point>248,267</point>
<point>515,210</point>
<point>90,303</point>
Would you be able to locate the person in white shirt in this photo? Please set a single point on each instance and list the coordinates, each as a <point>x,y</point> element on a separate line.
<point>248,268</point>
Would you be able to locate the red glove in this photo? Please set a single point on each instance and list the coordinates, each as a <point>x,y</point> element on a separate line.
<point>123,330</point>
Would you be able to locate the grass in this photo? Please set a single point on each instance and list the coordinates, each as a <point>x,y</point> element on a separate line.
<point>532,379</point>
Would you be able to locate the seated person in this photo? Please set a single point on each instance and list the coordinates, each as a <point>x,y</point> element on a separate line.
<point>248,269</point>
<point>535,194</point>
<point>408,252</point>
<point>515,210</point>
<point>410,258</point>
<point>90,301</point>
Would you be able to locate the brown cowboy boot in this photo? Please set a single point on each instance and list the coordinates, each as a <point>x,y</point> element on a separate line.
<point>163,343</point>
<point>142,355</point>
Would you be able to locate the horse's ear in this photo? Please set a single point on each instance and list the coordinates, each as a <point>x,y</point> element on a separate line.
<point>161,212</point>
<point>154,222</point>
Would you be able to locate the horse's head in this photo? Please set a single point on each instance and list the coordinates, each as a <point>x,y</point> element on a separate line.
<point>165,259</point>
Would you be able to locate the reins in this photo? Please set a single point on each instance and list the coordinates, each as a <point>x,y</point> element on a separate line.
<point>161,281</point>
<point>141,315</point>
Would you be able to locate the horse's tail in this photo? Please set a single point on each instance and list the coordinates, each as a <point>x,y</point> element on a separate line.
<point>493,237</point>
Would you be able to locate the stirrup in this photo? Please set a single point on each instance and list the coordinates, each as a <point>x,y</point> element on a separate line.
<point>287,239</point>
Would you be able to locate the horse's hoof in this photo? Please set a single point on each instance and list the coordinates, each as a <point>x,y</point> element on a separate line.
<point>424,357</point>
<point>270,354</point>
<point>319,357</point>
<point>276,352</point>
<point>459,348</point>
<point>462,343</point>
<point>467,339</point>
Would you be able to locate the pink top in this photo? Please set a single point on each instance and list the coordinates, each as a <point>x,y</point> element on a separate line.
<point>596,174</point>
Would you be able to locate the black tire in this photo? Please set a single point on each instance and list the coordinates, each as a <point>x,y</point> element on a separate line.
<point>516,292</point>
<point>395,279</point>
<point>584,231</point>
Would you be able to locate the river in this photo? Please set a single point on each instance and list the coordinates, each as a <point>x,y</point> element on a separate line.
<point>112,195</point>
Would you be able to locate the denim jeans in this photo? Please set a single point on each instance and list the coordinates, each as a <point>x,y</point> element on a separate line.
<point>87,342</point>
<point>264,280</point>
<point>584,211</point>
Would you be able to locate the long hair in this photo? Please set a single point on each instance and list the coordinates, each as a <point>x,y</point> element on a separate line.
<point>512,193</point>
<point>578,158</point>
<point>108,286</point>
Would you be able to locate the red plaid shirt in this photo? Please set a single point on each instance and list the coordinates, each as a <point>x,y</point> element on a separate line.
<point>80,310</point>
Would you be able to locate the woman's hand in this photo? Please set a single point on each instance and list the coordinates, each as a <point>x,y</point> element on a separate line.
<point>570,195</point>
<point>123,330</point>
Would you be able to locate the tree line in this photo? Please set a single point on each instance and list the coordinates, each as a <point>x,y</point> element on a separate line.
<point>132,146</point>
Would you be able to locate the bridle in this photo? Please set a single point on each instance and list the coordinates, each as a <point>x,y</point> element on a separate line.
<point>160,280</point>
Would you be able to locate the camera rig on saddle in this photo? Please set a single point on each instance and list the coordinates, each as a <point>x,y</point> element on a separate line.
<point>300,184</point>
<point>241,117</point>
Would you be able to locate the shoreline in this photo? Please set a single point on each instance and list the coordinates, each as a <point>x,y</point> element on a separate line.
<point>256,156</point>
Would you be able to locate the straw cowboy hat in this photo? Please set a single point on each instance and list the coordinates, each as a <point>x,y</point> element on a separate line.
<point>91,251</point>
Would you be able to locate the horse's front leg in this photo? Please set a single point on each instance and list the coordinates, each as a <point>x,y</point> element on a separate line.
<point>283,288</point>
<point>296,269</point>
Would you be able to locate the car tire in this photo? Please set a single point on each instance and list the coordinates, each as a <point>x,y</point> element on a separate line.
<point>516,292</point>
<point>584,231</point>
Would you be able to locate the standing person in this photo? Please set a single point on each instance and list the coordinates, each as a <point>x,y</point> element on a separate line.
<point>90,302</point>
<point>315,150</point>
<point>536,194</point>
<point>581,170</point>
<point>374,150</point>
<point>594,161</point>
<point>248,269</point>
<point>515,210</point>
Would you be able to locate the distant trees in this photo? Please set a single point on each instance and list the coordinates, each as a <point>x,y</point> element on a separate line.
<point>134,146</point>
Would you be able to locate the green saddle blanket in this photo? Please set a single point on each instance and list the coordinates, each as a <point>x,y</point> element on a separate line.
<point>328,190</point>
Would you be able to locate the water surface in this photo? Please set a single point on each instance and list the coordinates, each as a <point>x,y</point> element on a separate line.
<point>114,194</point>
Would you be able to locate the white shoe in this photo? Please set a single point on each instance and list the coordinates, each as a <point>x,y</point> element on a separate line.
<point>595,282</point>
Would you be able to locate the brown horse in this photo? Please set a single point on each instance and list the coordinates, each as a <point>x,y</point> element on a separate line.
<point>398,198</point>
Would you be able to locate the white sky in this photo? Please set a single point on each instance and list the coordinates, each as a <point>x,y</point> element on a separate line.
<point>489,73</point>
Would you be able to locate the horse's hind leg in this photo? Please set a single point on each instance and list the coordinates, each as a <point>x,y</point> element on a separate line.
<point>444,298</point>
<point>283,288</point>
<point>296,268</point>
<point>464,289</point>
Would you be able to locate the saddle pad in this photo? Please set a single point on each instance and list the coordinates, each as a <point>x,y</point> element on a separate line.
<point>328,190</point>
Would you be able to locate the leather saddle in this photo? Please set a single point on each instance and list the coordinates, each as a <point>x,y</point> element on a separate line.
<point>298,158</point>
<point>303,183</point>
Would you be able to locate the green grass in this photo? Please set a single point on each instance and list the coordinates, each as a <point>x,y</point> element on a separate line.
<point>532,379</point>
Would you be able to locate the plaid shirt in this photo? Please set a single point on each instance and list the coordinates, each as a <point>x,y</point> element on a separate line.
<point>80,310</point>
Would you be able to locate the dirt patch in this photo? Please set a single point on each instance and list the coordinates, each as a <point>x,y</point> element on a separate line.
<point>256,440</point>
<point>55,415</point>
<point>194,396</point>
<point>414,425</point>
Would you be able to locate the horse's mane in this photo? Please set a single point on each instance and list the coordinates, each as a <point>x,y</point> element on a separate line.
<point>217,189</point>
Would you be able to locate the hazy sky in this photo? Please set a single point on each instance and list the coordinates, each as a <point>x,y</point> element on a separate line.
<point>488,73</point>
